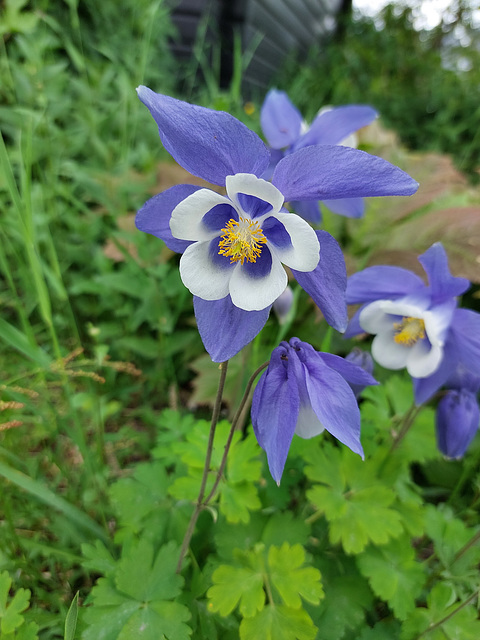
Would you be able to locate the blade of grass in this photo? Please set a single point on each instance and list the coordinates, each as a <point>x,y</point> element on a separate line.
<point>71,619</point>
<point>45,495</point>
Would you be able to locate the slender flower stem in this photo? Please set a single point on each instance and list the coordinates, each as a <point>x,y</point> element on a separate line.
<point>408,420</point>
<point>199,503</point>
<point>235,421</point>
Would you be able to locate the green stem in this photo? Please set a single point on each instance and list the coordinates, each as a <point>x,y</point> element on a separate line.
<point>233,428</point>
<point>199,503</point>
<point>450,615</point>
<point>408,420</point>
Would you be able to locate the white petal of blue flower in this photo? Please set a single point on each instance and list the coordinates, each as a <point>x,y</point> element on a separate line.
<point>186,220</point>
<point>308,425</point>
<point>423,356</point>
<point>250,185</point>
<point>253,285</point>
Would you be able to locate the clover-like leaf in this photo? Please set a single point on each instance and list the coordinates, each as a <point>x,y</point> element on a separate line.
<point>278,623</point>
<point>237,586</point>
<point>356,504</point>
<point>290,579</point>
<point>11,609</point>
<point>394,574</point>
<point>136,600</point>
<point>237,500</point>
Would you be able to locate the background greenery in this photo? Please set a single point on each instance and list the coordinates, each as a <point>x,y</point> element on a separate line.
<point>105,384</point>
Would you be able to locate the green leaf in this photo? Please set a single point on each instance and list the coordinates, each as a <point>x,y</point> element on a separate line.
<point>135,498</point>
<point>145,577</point>
<point>11,611</point>
<point>71,619</point>
<point>136,600</point>
<point>450,535</point>
<point>235,586</point>
<point>394,574</point>
<point>443,618</point>
<point>291,580</point>
<point>354,502</point>
<point>278,623</point>
<point>347,599</point>
<point>98,558</point>
<point>237,500</point>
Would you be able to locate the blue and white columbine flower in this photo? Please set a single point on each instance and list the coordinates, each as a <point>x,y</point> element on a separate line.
<point>234,245</point>
<point>286,132</point>
<point>305,392</point>
<point>417,326</point>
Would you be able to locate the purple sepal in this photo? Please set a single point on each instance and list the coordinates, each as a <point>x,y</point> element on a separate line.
<point>348,207</point>
<point>331,127</point>
<point>308,209</point>
<point>328,172</point>
<point>154,216</point>
<point>209,144</point>
<point>356,368</point>
<point>224,328</point>
<point>443,284</point>
<point>465,328</point>
<point>326,284</point>
<point>457,421</point>
<point>333,402</point>
<point>280,120</point>
<point>382,283</point>
<point>275,409</point>
<point>354,328</point>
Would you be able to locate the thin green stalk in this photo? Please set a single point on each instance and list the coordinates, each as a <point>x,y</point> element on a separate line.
<point>450,615</point>
<point>407,422</point>
<point>199,503</point>
<point>233,428</point>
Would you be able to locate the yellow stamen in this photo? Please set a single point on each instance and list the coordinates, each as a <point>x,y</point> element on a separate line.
<point>409,331</point>
<point>242,240</point>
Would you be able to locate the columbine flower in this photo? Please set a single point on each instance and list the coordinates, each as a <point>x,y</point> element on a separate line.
<point>286,132</point>
<point>458,416</point>
<point>304,391</point>
<point>417,326</point>
<point>234,245</point>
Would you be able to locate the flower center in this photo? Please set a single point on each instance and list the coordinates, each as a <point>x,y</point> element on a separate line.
<point>242,240</point>
<point>408,331</point>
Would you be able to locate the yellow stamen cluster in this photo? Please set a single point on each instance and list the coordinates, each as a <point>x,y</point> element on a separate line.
<point>409,331</point>
<point>242,240</point>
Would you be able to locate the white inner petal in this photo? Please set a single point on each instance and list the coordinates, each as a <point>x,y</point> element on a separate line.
<point>201,275</point>
<point>186,219</point>
<point>373,318</point>
<point>424,359</point>
<point>250,185</point>
<point>308,425</point>
<point>389,353</point>
<point>255,294</point>
<point>304,252</point>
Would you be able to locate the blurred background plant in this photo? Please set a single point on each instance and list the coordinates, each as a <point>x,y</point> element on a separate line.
<point>97,333</point>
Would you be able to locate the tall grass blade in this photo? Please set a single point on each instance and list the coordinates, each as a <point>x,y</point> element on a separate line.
<point>42,493</point>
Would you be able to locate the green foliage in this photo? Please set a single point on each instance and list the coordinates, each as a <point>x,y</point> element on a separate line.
<point>238,494</point>
<point>394,575</point>
<point>99,481</point>
<point>358,509</point>
<point>280,574</point>
<point>12,621</point>
<point>138,598</point>
<point>442,618</point>
<point>425,84</point>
